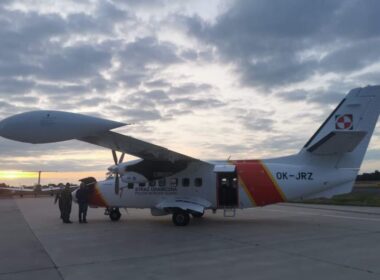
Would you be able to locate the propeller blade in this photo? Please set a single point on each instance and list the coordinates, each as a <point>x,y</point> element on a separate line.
<point>121,158</point>
<point>114,156</point>
<point>117,184</point>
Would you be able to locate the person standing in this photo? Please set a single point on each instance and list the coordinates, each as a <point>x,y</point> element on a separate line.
<point>66,201</point>
<point>82,198</point>
<point>58,198</point>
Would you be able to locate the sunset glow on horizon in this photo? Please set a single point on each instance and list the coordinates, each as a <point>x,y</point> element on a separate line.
<point>18,177</point>
<point>16,174</point>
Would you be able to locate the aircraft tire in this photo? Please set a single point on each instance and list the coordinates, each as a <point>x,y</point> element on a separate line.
<point>181,219</point>
<point>115,215</point>
<point>197,215</point>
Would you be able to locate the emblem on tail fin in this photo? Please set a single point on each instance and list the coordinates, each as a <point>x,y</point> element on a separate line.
<point>344,122</point>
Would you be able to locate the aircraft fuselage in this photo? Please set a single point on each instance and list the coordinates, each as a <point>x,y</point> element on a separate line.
<point>248,183</point>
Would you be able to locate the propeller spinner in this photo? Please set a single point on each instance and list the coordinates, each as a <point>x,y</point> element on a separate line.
<point>117,175</point>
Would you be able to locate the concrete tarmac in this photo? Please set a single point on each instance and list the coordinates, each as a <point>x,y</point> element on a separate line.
<point>284,241</point>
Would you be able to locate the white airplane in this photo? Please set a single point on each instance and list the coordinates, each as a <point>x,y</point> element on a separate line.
<point>168,182</point>
<point>20,190</point>
<point>37,188</point>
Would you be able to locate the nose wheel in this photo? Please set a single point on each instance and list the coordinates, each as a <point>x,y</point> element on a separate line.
<point>114,214</point>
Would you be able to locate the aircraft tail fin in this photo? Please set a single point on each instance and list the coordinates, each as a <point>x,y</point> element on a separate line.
<point>346,133</point>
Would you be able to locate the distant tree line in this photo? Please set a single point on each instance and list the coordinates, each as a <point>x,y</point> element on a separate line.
<point>375,176</point>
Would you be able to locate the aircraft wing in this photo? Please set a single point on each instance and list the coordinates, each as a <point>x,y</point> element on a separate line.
<point>197,205</point>
<point>43,126</point>
<point>135,147</point>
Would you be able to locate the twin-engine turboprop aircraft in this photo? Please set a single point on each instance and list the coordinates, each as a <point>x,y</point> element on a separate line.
<point>168,182</point>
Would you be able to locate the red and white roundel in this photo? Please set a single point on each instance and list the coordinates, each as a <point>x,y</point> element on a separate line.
<point>344,121</point>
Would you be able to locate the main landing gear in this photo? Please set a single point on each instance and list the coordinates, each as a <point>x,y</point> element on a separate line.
<point>197,215</point>
<point>113,213</point>
<point>182,218</point>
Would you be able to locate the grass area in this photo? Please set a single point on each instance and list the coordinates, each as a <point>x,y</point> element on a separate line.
<point>365,193</point>
<point>353,199</point>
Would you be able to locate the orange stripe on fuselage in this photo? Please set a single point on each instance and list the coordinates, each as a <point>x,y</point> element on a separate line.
<point>96,198</point>
<point>257,179</point>
<point>241,182</point>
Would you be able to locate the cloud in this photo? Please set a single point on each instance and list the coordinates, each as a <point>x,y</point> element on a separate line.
<point>74,63</point>
<point>190,89</point>
<point>257,120</point>
<point>275,43</point>
<point>319,96</point>
<point>373,154</point>
<point>159,83</point>
<point>144,61</point>
<point>148,51</point>
<point>11,86</point>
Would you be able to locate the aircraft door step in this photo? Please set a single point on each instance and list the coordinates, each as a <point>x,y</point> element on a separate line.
<point>229,212</point>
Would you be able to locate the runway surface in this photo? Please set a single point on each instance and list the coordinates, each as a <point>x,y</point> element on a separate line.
<point>287,241</point>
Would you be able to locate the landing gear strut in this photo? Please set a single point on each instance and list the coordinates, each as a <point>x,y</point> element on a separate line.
<point>181,218</point>
<point>198,215</point>
<point>114,213</point>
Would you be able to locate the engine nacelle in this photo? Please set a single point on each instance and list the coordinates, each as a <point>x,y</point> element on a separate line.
<point>133,177</point>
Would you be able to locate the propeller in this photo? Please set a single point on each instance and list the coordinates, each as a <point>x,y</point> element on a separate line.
<point>116,171</point>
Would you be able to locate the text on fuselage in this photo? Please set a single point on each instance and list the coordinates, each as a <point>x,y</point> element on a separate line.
<point>306,176</point>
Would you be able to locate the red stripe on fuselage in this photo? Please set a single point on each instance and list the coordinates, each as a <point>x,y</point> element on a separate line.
<point>96,198</point>
<point>258,182</point>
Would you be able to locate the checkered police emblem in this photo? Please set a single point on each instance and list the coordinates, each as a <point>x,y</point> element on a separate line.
<point>344,122</point>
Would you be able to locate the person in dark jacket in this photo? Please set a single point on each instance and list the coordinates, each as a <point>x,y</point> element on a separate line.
<point>65,201</point>
<point>59,200</point>
<point>82,198</point>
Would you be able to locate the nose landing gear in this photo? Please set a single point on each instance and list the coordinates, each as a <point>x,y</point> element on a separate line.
<point>113,213</point>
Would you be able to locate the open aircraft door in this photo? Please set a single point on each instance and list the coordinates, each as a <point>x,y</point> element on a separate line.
<point>227,186</point>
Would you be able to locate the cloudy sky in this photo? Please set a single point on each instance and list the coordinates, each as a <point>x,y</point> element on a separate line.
<point>212,79</point>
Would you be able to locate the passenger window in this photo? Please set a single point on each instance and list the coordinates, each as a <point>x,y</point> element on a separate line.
<point>173,182</point>
<point>142,184</point>
<point>130,185</point>
<point>198,182</point>
<point>185,182</point>
<point>152,183</point>
<point>162,182</point>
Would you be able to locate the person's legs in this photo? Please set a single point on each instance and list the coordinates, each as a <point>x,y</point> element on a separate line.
<point>85,207</point>
<point>65,216</point>
<point>68,211</point>
<point>60,208</point>
<point>80,211</point>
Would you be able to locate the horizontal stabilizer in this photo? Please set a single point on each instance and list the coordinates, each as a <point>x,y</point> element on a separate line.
<point>337,142</point>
